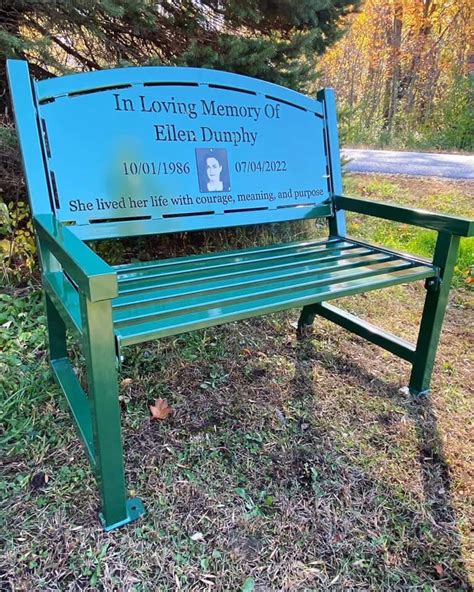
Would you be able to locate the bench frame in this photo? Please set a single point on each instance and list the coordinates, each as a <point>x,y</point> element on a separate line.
<point>62,252</point>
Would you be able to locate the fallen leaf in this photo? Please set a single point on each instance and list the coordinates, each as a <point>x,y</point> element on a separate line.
<point>161,409</point>
<point>126,382</point>
<point>439,569</point>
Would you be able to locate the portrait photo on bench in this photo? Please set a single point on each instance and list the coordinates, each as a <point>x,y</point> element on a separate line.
<point>213,169</point>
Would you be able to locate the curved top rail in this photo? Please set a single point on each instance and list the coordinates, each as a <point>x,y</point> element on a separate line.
<point>88,82</point>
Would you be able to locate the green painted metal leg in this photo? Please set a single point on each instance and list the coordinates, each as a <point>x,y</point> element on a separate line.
<point>56,331</point>
<point>445,256</point>
<point>305,322</point>
<point>99,350</point>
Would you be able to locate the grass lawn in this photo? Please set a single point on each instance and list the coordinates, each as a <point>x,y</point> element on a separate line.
<point>287,466</point>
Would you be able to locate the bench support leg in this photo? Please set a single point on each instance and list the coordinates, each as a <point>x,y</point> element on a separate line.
<point>56,331</point>
<point>99,350</point>
<point>305,322</point>
<point>445,256</point>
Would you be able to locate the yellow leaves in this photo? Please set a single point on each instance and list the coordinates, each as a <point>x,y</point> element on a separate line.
<point>429,53</point>
<point>468,274</point>
<point>5,248</point>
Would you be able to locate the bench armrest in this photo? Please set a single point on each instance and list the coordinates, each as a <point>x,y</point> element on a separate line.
<point>439,222</point>
<point>93,276</point>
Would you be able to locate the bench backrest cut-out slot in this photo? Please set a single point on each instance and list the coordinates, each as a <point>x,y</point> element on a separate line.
<point>233,88</point>
<point>170,84</point>
<point>170,146</point>
<point>126,219</point>
<point>90,91</point>
<point>237,210</point>
<point>299,205</point>
<point>54,188</point>
<point>278,100</point>
<point>188,214</point>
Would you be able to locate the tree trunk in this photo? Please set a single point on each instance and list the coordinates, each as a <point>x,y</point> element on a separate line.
<point>393,78</point>
<point>10,18</point>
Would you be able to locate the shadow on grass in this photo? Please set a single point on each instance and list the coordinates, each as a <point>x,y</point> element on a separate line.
<point>435,552</point>
<point>272,461</point>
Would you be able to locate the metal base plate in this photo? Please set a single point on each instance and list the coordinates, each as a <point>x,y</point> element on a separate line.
<point>135,509</point>
<point>416,393</point>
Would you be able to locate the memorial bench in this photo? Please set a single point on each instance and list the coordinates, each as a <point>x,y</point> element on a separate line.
<point>142,151</point>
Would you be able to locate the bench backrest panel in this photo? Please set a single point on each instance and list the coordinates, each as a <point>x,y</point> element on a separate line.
<point>139,150</point>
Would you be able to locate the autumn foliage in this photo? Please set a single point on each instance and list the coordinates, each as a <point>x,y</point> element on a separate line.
<point>401,74</point>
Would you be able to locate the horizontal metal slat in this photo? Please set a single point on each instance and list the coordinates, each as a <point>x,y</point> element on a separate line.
<point>65,298</point>
<point>203,270</point>
<point>132,268</point>
<point>179,267</point>
<point>392,343</point>
<point>122,229</point>
<point>243,295</point>
<point>225,275</point>
<point>247,278</point>
<point>133,334</point>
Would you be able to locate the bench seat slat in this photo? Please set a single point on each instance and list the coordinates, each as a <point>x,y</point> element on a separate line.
<point>173,325</point>
<point>165,297</point>
<point>242,295</point>
<point>175,267</point>
<point>178,291</point>
<point>176,295</point>
<point>236,268</point>
<point>140,266</point>
<point>239,272</point>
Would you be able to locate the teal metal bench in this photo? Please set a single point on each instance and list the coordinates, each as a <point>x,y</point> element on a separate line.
<point>142,151</point>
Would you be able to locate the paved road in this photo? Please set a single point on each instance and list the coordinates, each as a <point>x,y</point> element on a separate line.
<point>453,166</point>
